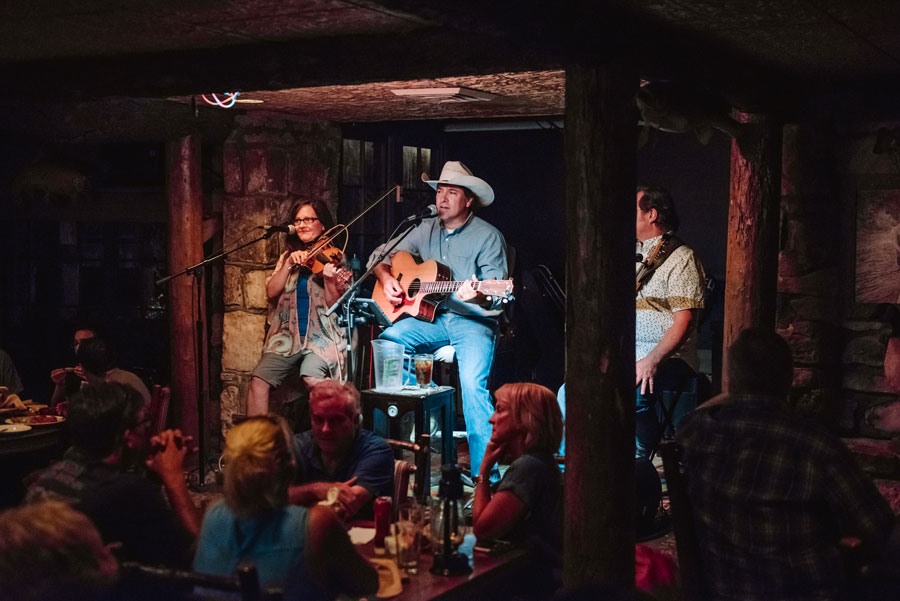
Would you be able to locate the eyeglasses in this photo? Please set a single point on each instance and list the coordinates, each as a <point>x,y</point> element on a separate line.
<point>305,220</point>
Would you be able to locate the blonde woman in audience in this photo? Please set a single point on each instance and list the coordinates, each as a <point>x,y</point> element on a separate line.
<point>305,551</point>
<point>50,551</point>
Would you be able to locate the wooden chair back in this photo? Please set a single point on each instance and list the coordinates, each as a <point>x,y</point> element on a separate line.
<point>149,582</point>
<point>686,540</point>
<point>402,470</point>
<point>159,408</point>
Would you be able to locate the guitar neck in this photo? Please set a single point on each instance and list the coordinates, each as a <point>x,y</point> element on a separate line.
<point>447,287</point>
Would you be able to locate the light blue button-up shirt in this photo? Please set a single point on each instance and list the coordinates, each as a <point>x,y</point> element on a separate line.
<point>477,248</point>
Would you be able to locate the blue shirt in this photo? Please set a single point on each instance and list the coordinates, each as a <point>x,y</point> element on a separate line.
<point>477,248</point>
<point>302,303</point>
<point>370,459</point>
<point>274,541</point>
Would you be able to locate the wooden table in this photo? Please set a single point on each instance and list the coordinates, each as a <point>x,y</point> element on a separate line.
<point>25,452</point>
<point>39,438</point>
<point>490,577</point>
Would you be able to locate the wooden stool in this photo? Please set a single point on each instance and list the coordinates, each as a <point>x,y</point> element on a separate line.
<point>423,402</point>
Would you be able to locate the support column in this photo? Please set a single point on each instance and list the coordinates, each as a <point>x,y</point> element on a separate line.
<point>600,151</point>
<point>185,249</point>
<point>751,273</point>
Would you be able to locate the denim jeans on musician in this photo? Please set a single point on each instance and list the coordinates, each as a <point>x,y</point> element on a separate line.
<point>473,340</point>
<point>674,379</point>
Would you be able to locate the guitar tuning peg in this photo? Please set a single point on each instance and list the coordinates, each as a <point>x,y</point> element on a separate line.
<point>490,298</point>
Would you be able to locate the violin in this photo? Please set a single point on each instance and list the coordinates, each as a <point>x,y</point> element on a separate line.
<point>320,257</point>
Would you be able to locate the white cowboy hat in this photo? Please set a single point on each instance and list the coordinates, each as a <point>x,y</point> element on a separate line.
<point>455,173</point>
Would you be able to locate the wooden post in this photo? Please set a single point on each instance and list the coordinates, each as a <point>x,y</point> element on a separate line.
<point>600,207</point>
<point>185,249</point>
<point>751,273</point>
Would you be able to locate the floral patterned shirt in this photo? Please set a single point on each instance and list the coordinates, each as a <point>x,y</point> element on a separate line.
<point>676,285</point>
<point>324,336</point>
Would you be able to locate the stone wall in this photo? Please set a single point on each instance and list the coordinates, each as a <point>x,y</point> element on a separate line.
<point>839,344</point>
<point>269,162</point>
<point>809,299</point>
<point>867,327</point>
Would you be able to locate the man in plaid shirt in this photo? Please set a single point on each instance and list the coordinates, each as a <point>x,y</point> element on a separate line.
<point>773,493</point>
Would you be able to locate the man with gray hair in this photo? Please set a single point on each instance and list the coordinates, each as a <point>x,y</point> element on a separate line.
<point>337,453</point>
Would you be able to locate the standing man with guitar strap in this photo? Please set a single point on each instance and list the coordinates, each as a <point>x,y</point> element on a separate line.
<point>670,294</point>
<point>473,250</point>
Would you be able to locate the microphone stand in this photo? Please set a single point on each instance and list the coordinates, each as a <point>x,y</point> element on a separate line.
<point>348,299</point>
<point>202,392</point>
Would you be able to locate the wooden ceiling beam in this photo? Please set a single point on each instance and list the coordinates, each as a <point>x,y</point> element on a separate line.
<point>428,53</point>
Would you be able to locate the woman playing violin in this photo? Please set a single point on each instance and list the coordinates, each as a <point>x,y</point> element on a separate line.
<point>299,291</point>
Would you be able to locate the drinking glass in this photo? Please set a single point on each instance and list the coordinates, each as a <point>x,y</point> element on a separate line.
<point>423,365</point>
<point>408,535</point>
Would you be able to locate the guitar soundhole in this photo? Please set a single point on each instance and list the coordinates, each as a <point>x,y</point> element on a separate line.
<point>414,287</point>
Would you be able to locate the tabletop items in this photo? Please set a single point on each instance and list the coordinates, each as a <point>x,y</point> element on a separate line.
<point>447,525</point>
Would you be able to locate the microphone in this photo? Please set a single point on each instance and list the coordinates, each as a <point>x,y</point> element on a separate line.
<point>286,228</point>
<point>429,211</point>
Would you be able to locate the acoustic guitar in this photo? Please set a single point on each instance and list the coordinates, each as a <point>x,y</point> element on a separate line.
<point>425,285</point>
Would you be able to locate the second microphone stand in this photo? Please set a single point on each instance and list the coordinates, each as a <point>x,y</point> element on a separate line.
<point>353,307</point>
<point>202,392</point>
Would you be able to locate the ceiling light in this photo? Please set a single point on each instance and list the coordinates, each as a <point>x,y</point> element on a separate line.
<point>446,94</point>
<point>249,101</point>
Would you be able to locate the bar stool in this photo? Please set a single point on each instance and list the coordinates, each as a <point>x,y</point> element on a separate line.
<point>423,402</point>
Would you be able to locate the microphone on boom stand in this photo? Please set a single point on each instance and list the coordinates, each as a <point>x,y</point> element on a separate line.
<point>429,211</point>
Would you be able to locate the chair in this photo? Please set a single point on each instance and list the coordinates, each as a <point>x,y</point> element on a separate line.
<point>402,470</point>
<point>149,582</point>
<point>686,541</point>
<point>693,389</point>
<point>159,409</point>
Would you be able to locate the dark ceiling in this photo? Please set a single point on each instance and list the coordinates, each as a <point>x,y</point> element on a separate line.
<point>339,59</point>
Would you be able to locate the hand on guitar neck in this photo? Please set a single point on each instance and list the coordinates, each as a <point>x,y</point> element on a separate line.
<point>469,294</point>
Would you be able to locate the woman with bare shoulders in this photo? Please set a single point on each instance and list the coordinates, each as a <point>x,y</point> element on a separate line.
<point>305,551</point>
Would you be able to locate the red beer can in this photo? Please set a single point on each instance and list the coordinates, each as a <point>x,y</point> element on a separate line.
<point>382,509</point>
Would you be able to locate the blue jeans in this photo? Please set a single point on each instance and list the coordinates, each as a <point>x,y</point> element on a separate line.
<point>473,340</point>
<point>674,382</point>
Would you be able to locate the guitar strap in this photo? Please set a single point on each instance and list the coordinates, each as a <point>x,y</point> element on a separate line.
<point>663,249</point>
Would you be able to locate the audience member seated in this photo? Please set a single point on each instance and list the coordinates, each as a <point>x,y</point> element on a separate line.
<point>306,551</point>
<point>339,453</point>
<point>527,429</point>
<point>9,377</point>
<point>773,493</point>
<point>67,380</point>
<point>50,551</point>
<point>126,507</point>
<point>100,365</point>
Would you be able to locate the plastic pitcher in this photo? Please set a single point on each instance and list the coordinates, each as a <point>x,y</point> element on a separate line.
<point>387,361</point>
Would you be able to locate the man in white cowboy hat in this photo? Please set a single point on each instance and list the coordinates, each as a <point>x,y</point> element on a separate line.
<point>473,250</point>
